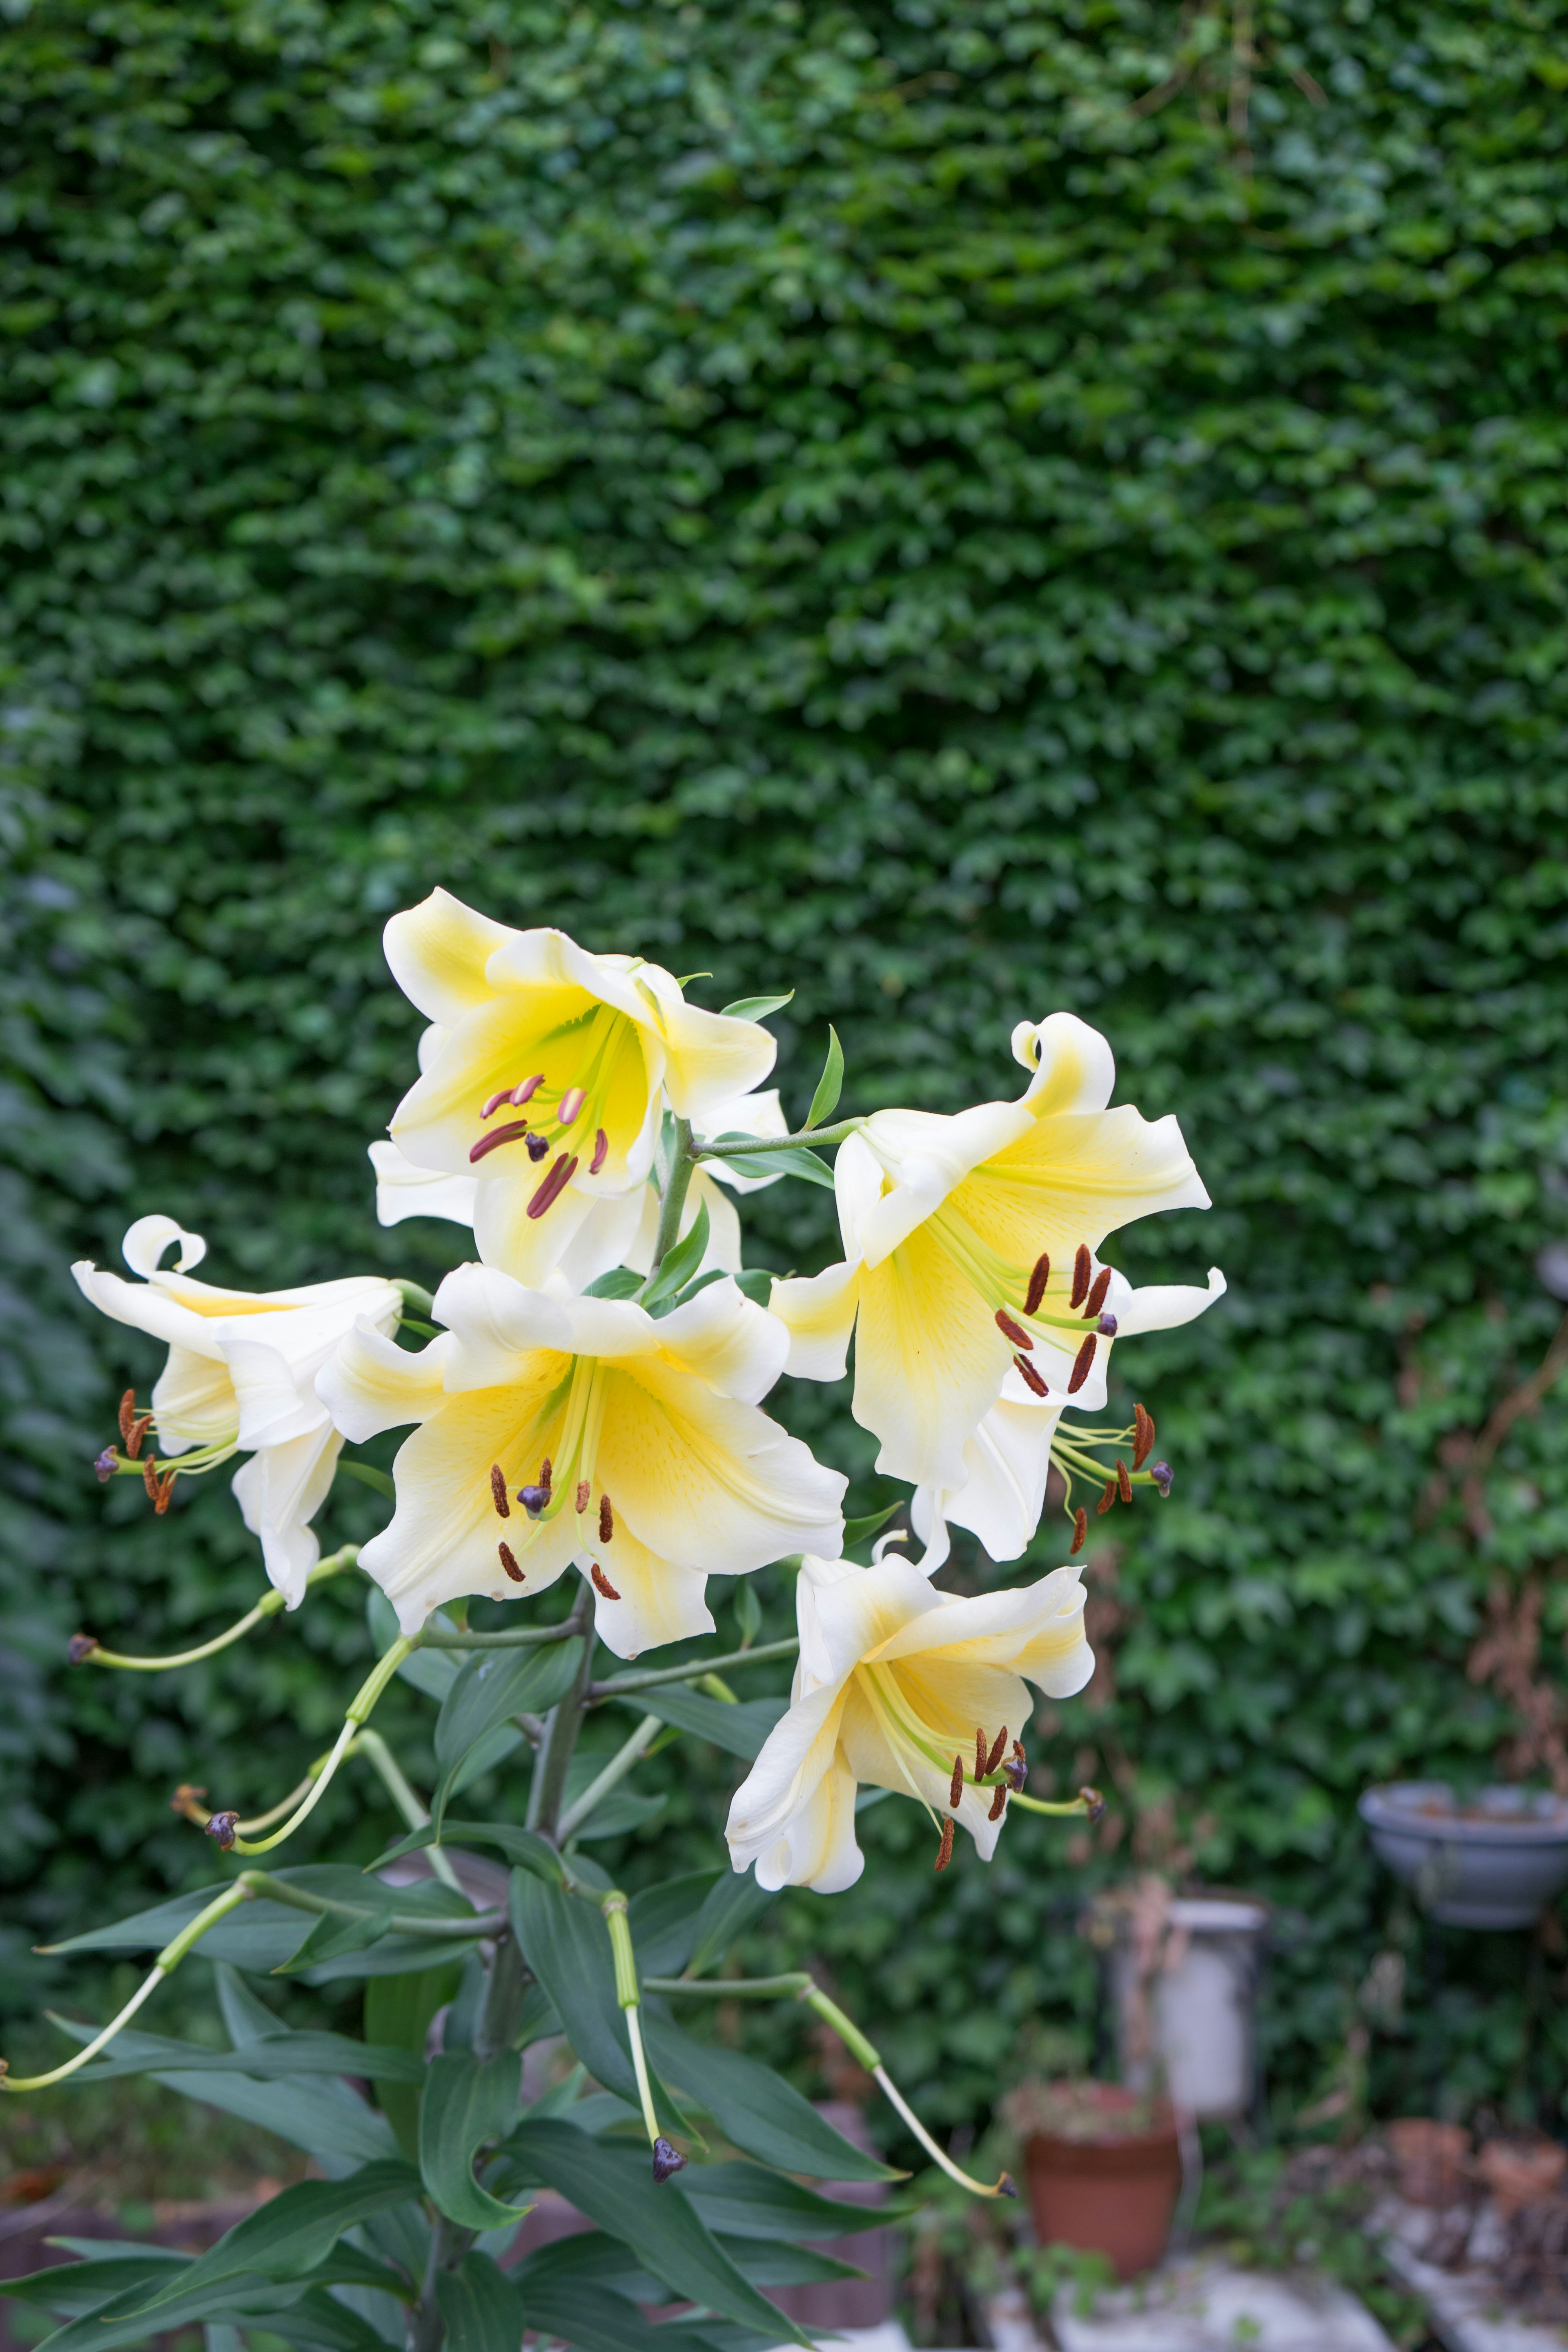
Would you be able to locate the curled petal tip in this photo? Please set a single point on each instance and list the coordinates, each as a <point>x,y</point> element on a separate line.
<point>221,1829</point>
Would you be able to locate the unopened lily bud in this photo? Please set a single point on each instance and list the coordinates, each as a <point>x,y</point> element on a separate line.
<point>221,1829</point>
<point>82,1646</point>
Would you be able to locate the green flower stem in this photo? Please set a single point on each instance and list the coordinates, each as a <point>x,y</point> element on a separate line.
<point>358,1715</point>
<point>731,1987</point>
<point>261,1883</point>
<point>416,1300</point>
<point>371,1743</point>
<point>682,1165</point>
<point>562,1725</point>
<point>1002,2187</point>
<point>267,1606</point>
<point>1042,1805</point>
<point>614,1771</point>
<point>167,1961</point>
<point>613,1906</point>
<point>514,1637</point>
<point>808,1135</point>
<point>624,1686</point>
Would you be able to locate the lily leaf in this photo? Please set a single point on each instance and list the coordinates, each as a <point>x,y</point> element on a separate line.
<point>857,1530</point>
<point>757,1008</point>
<point>480,2305</point>
<point>680,1263</point>
<point>295,2232</point>
<point>830,1085</point>
<point>468,2102</point>
<point>490,1687</point>
<point>755,2108</point>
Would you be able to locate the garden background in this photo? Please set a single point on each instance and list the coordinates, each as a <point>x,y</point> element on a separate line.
<point>965,507</point>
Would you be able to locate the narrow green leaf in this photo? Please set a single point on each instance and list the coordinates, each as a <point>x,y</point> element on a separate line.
<point>680,1263</point>
<point>615,2188</point>
<point>741,1728</point>
<point>397,2013</point>
<point>567,1945</point>
<point>756,1284</point>
<point>525,1849</point>
<point>431,1671</point>
<point>468,2105</point>
<point>830,1085</point>
<point>858,1530</point>
<point>331,1936</point>
<point>757,1008</point>
<point>742,2201</point>
<point>797,1161</point>
<point>273,2060</point>
<point>480,2305</point>
<point>619,1283</point>
<point>490,1687</point>
<point>755,2109</point>
<point>663,1920</point>
<point>77,2287</point>
<point>735,1904</point>
<point>296,2230</point>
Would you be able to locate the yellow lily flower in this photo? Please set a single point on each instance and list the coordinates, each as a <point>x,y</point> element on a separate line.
<point>557,1431</point>
<point>969,1247</point>
<point>544,1075</point>
<point>240,1377</point>
<point>900,1687</point>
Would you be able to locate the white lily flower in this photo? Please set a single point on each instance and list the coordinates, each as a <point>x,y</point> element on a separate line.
<point>240,1377</point>
<point>546,1071</point>
<point>622,1228</point>
<point>968,1248</point>
<point>557,1431</point>
<point>895,1684</point>
<point>1007,1461</point>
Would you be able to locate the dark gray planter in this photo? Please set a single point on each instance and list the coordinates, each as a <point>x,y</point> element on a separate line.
<point>1491,1863</point>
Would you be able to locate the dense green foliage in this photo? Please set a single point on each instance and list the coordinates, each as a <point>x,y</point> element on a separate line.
<point>835,495</point>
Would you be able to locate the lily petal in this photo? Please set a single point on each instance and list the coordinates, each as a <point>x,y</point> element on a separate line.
<point>402,1190</point>
<point>371,1383</point>
<point>656,1600</point>
<point>278,1491</point>
<point>817,1312</point>
<point>438,952</point>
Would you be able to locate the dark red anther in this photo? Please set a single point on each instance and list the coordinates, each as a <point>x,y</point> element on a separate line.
<point>1093,1804</point>
<point>955,1789</point>
<point>1082,1268</point>
<point>1081,1362</point>
<point>1142,1435</point>
<point>150,1478</point>
<point>994,1757</point>
<point>127,1413</point>
<point>165,1494</point>
<point>498,1489</point>
<point>979,1753</point>
<point>502,1094</point>
<point>1124,1483</point>
<point>82,1646</point>
<point>571,1103</point>
<point>508,1562</point>
<point>602,1582</point>
<point>561,1175</point>
<point>1038,1282</point>
<point>665,2160</point>
<point>606,1520</point>
<point>1096,1299</point>
<point>508,1133</point>
<point>944,1851</point>
<point>107,1463</point>
<point>221,1827</point>
<point>998,1803</point>
<point>528,1089</point>
<point>1079,1531</point>
<point>1106,1499</point>
<point>1029,1376</point>
<point>1011,1330</point>
<point>1161,1474</point>
<point>582,1496</point>
<point>546,1474</point>
<point>139,1429</point>
<point>601,1151</point>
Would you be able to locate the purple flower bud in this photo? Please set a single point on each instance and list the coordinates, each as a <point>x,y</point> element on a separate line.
<point>1106,1327</point>
<point>107,1463</point>
<point>665,2160</point>
<point>1161,1474</point>
<point>221,1829</point>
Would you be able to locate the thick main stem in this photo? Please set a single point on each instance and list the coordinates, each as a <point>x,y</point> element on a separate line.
<point>677,1185</point>
<point>562,1727</point>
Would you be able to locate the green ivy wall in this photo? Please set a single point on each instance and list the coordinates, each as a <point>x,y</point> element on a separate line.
<point>964,507</point>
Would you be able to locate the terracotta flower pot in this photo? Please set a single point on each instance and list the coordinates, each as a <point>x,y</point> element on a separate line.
<point>1112,2193</point>
<point>1522,2172</point>
<point>1431,2158</point>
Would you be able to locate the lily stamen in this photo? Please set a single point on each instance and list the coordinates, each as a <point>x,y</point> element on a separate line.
<point>601,1151</point>
<point>994,1757</point>
<point>1030,1377</point>
<point>1079,1531</point>
<point>1014,1331</point>
<point>606,1520</point>
<point>528,1089</point>
<point>1081,1268</point>
<point>561,1175</point>
<point>1096,1299</point>
<point>1143,1436</point>
<point>1081,1364</point>
<point>1037,1281</point>
<point>496,1138</point>
<point>498,1490</point>
<point>493,1104</point>
<point>955,1792</point>
<point>570,1104</point>
<point>602,1582</point>
<point>508,1563</point>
